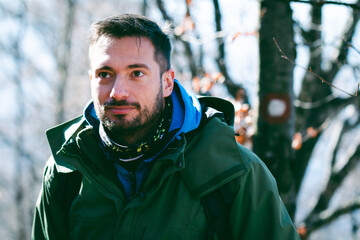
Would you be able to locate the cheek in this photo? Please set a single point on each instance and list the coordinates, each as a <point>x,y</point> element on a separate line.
<point>152,95</point>
<point>145,92</point>
<point>94,90</point>
<point>99,92</point>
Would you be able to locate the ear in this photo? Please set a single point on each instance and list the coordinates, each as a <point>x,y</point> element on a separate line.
<point>168,82</point>
<point>90,75</point>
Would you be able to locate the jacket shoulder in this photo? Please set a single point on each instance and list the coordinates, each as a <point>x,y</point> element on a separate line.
<point>218,106</point>
<point>59,134</point>
<point>214,158</point>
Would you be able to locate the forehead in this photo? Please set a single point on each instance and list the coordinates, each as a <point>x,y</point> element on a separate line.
<point>103,41</point>
<point>126,50</point>
<point>135,44</point>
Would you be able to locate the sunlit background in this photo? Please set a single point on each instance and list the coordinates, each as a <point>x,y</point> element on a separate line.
<point>44,81</point>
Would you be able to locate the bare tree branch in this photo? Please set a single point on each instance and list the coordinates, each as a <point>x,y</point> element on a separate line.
<point>344,47</point>
<point>144,7</point>
<point>187,46</point>
<point>309,70</point>
<point>64,59</point>
<point>19,122</point>
<point>6,139</point>
<point>328,216</point>
<point>345,129</point>
<point>315,218</point>
<point>220,60</point>
<point>325,111</point>
<point>322,2</point>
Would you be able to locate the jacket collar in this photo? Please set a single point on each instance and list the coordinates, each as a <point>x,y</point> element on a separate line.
<point>186,110</point>
<point>62,135</point>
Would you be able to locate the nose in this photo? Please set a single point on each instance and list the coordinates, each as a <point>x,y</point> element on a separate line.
<point>120,89</point>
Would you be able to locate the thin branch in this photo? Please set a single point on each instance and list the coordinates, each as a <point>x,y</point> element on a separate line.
<point>309,70</point>
<point>188,50</point>
<point>347,38</point>
<point>329,216</point>
<point>350,45</point>
<point>144,8</point>
<point>334,182</point>
<point>64,59</point>
<point>321,3</point>
<point>196,34</point>
<point>217,35</point>
<point>345,129</point>
<point>161,7</point>
<point>315,104</point>
<point>328,111</point>
<point>220,60</point>
<point>6,139</point>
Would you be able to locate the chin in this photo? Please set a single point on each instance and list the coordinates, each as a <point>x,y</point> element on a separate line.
<point>123,124</point>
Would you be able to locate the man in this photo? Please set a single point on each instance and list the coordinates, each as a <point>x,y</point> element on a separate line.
<point>140,161</point>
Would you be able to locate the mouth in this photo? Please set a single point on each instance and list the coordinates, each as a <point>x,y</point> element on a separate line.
<point>120,110</point>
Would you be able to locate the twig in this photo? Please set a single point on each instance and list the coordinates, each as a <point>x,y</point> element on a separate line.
<point>343,49</point>
<point>220,59</point>
<point>352,46</point>
<point>189,53</point>
<point>309,70</point>
<point>320,3</point>
<point>313,105</point>
<point>7,140</point>
<point>318,215</point>
<point>329,216</point>
<point>216,35</point>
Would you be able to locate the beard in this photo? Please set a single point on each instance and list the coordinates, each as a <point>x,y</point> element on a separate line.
<point>141,125</point>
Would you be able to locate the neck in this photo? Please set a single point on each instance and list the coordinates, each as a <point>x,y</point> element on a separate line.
<point>136,136</point>
<point>131,144</point>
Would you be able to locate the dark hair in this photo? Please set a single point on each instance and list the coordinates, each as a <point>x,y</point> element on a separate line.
<point>128,25</point>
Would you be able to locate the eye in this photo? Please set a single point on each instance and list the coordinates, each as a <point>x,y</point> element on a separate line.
<point>104,75</point>
<point>137,74</point>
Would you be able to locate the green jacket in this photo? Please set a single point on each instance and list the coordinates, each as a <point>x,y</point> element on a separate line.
<point>168,207</point>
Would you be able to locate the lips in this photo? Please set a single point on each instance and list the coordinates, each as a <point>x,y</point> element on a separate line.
<point>120,110</point>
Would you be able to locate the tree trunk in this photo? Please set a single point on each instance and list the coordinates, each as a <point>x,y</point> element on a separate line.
<point>64,59</point>
<point>275,123</point>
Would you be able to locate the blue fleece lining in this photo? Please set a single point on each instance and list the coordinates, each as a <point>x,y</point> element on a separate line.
<point>90,115</point>
<point>186,110</point>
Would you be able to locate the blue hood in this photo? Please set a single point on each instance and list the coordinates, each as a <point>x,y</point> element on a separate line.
<point>186,113</point>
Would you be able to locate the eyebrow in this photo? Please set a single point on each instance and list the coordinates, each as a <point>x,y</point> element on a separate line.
<point>104,68</point>
<point>139,65</point>
<point>131,66</point>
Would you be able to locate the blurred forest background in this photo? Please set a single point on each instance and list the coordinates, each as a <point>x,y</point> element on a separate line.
<point>291,68</point>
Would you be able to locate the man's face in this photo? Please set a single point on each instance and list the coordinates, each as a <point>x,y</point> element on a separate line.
<point>126,84</point>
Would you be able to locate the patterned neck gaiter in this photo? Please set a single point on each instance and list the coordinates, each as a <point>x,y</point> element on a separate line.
<point>121,153</point>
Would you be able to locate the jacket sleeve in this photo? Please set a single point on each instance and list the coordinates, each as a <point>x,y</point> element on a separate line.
<point>50,217</point>
<point>258,211</point>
